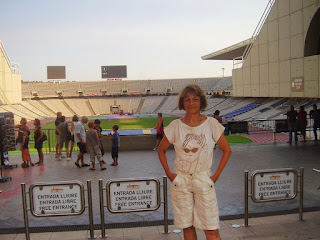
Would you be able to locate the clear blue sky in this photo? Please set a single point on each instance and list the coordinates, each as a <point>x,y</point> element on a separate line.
<point>155,39</point>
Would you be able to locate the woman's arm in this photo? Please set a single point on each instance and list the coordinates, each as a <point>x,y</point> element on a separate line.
<point>226,150</point>
<point>164,145</point>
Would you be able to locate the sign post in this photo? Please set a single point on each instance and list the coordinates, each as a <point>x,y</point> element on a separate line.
<point>273,185</point>
<point>133,195</point>
<point>56,199</point>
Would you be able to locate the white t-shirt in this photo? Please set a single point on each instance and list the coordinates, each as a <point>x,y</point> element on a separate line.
<point>193,145</point>
<point>79,128</point>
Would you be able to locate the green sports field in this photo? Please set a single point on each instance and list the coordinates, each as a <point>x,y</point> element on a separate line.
<point>147,122</point>
<point>130,123</point>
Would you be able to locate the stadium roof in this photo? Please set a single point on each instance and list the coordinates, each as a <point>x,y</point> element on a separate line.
<point>229,53</point>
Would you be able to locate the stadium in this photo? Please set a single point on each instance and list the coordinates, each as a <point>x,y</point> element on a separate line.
<point>278,67</point>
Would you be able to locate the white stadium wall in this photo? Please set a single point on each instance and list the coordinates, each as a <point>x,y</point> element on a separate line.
<point>10,83</point>
<point>276,65</point>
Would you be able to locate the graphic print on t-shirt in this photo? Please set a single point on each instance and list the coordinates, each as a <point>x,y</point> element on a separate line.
<point>195,151</point>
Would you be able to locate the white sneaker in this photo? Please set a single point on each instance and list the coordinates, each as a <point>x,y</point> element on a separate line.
<point>68,159</point>
<point>59,158</point>
<point>155,149</point>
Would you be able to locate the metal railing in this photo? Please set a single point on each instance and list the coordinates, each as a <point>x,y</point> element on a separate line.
<point>13,66</point>
<point>241,59</point>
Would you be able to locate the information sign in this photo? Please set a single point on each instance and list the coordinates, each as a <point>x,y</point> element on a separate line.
<point>57,199</point>
<point>274,185</point>
<point>133,195</point>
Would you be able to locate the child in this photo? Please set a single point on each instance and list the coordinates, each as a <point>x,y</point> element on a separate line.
<point>115,138</point>
<point>99,130</point>
<point>25,150</point>
<point>93,146</point>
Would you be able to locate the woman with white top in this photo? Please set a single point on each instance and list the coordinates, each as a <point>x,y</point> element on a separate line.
<point>193,195</point>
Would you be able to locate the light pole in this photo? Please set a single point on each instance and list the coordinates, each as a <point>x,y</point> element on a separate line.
<point>222,72</point>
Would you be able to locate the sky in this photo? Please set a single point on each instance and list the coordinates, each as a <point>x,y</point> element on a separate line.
<point>155,39</point>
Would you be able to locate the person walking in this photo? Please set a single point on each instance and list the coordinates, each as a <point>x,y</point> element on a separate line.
<point>315,115</point>
<point>38,140</point>
<point>302,121</point>
<point>160,131</point>
<point>80,139</point>
<point>193,195</point>
<point>292,119</point>
<point>93,146</point>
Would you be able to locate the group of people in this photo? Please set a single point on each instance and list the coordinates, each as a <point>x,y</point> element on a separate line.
<point>87,141</point>
<point>23,139</point>
<point>297,121</point>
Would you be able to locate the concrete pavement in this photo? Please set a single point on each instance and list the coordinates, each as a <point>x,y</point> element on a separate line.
<point>134,164</point>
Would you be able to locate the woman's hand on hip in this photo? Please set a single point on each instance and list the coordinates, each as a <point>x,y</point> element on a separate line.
<point>172,176</point>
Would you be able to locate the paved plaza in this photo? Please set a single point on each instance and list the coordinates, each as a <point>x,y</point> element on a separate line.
<point>136,164</point>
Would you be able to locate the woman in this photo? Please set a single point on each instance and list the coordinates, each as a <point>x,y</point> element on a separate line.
<point>38,140</point>
<point>22,128</point>
<point>75,120</point>
<point>160,131</point>
<point>63,130</point>
<point>194,201</point>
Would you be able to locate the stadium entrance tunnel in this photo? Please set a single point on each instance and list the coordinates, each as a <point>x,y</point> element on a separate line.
<point>312,44</point>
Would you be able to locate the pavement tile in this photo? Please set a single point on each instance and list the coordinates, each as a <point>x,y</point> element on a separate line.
<point>140,231</point>
<point>72,235</point>
<point>171,236</point>
<point>116,232</point>
<point>236,232</point>
<point>277,219</point>
<point>8,236</point>
<point>267,228</point>
<point>311,234</point>
<point>271,236</point>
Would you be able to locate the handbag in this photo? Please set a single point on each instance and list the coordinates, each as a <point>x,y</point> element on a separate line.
<point>68,133</point>
<point>44,137</point>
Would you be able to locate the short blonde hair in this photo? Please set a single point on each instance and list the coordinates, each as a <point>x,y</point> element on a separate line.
<point>192,88</point>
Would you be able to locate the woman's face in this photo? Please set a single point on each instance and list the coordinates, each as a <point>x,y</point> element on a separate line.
<point>191,103</point>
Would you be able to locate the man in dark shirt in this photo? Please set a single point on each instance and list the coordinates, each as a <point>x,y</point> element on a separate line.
<point>315,115</point>
<point>292,119</point>
<point>57,122</point>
